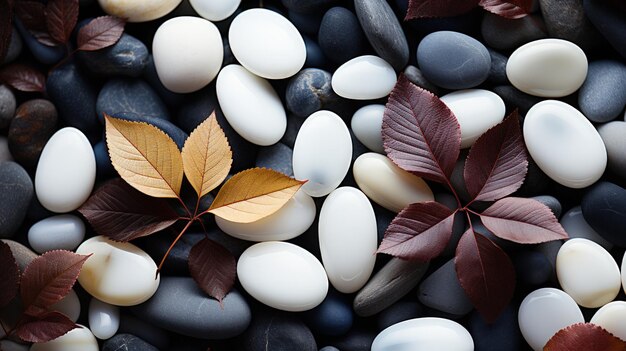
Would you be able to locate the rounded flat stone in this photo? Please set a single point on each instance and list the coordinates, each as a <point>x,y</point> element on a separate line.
<point>364,78</point>
<point>139,10</point>
<point>62,232</point>
<point>611,317</point>
<point>428,334</point>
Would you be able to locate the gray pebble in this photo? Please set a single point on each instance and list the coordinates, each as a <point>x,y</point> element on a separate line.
<point>22,254</point>
<point>277,157</point>
<point>7,106</point>
<point>442,291</point>
<point>497,72</point>
<point>128,57</point>
<point>508,34</point>
<point>309,91</point>
<point>602,96</point>
<point>127,342</point>
<point>17,190</point>
<point>135,96</point>
<point>566,19</point>
<point>130,324</point>
<point>415,76</point>
<point>552,202</point>
<point>5,154</point>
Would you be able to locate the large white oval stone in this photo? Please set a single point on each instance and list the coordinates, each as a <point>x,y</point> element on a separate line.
<point>62,232</point>
<point>322,153</point>
<point>547,68</point>
<point>612,317</point>
<point>364,78</point>
<point>387,184</point>
<point>79,339</point>
<point>283,276</point>
<point>215,10</point>
<point>66,171</point>
<point>267,44</point>
<point>188,53</point>
<point>348,238</point>
<point>564,144</point>
<point>624,272</point>
<point>424,334</point>
<point>251,106</point>
<point>138,10</point>
<point>104,319</point>
<point>367,125</point>
<point>544,312</point>
<point>117,273</point>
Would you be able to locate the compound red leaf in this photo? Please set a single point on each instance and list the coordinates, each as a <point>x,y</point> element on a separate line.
<point>45,327</point>
<point>419,232</point>
<point>420,134</point>
<point>118,211</point>
<point>584,337</point>
<point>213,268</point>
<point>497,163</point>
<point>33,17</point>
<point>524,221</point>
<point>9,275</point>
<point>486,274</point>
<point>61,18</point>
<point>100,33</point>
<point>6,26</point>
<point>511,9</point>
<point>23,78</point>
<point>438,8</point>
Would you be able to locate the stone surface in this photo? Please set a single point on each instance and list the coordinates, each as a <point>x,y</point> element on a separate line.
<point>603,95</point>
<point>364,78</point>
<point>566,19</point>
<point>609,21</point>
<point>576,226</point>
<point>5,153</point>
<point>508,34</point>
<point>7,106</point>
<point>17,191</point>
<point>604,207</point>
<point>497,72</point>
<point>215,10</point>
<point>130,96</point>
<point>366,124</point>
<point>127,57</point>
<point>310,91</point>
<point>127,342</point>
<point>399,312</point>
<point>22,254</point>
<point>442,291</point>
<point>34,123</point>
<point>15,47</point>
<point>415,76</point>
<point>611,317</point>
<point>340,35</point>
<point>104,319</point>
<point>62,232</point>
<point>139,11</point>
<point>277,157</point>
<point>79,339</point>
<point>503,334</point>
<point>552,202</point>
<point>612,135</point>
<point>515,98</point>
<point>332,317</point>
<point>277,331</point>
<point>69,306</point>
<point>426,334</point>
<point>532,267</point>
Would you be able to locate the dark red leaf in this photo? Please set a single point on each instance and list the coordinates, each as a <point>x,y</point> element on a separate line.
<point>61,17</point>
<point>45,327</point>
<point>33,17</point>
<point>120,212</point>
<point>419,232</point>
<point>48,278</point>
<point>509,9</point>
<point>524,221</point>
<point>6,26</point>
<point>438,8</point>
<point>497,163</point>
<point>9,275</point>
<point>584,337</point>
<point>100,33</point>
<point>421,135</point>
<point>22,77</point>
<point>486,274</point>
<point>213,268</point>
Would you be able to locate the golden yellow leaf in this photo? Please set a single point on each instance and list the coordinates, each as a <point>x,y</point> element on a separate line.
<point>253,194</point>
<point>145,157</point>
<point>206,156</point>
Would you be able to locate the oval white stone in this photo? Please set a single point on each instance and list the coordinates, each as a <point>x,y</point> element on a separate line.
<point>612,317</point>
<point>367,124</point>
<point>547,68</point>
<point>348,238</point>
<point>283,276</point>
<point>188,53</point>
<point>322,153</point>
<point>544,312</point>
<point>104,319</point>
<point>287,223</point>
<point>624,272</point>
<point>251,106</point>
<point>215,10</point>
<point>79,339</point>
<point>577,227</point>
<point>139,10</point>
<point>267,44</point>
<point>66,171</point>
<point>62,232</point>
<point>117,273</point>
<point>427,334</point>
<point>364,78</point>
<point>476,110</point>
<point>564,144</point>
<point>69,306</point>
<point>387,184</point>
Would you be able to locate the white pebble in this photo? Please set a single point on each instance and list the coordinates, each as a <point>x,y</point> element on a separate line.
<point>364,78</point>
<point>104,319</point>
<point>215,10</point>
<point>139,10</point>
<point>424,334</point>
<point>612,317</point>
<point>69,306</point>
<point>367,124</point>
<point>79,339</point>
<point>62,232</point>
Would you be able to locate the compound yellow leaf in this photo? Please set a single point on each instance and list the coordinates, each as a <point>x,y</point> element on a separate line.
<point>145,157</point>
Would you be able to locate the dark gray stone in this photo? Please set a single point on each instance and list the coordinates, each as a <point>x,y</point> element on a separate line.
<point>333,317</point>
<point>293,126</point>
<point>17,190</point>
<point>503,334</point>
<point>277,157</point>
<point>307,23</point>
<point>613,136</point>
<point>314,56</point>
<point>278,331</point>
<point>128,57</point>
<point>604,209</point>
<point>575,226</point>
<point>340,35</point>
<point>356,340</point>
<point>307,6</point>
<point>104,167</point>
<point>399,312</point>
<point>22,254</point>
<point>130,324</point>
<point>5,154</point>
<point>34,123</point>
<point>566,19</point>
<point>309,91</point>
<point>508,34</point>
<point>532,268</point>
<point>125,95</point>
<point>442,291</point>
<point>166,126</point>
<point>416,77</point>
<point>516,99</point>
<point>127,342</point>
<point>609,21</point>
<point>497,72</point>
<point>48,55</point>
<point>7,106</point>
<point>552,202</point>
<point>602,96</point>
<point>15,47</point>
<point>171,98</point>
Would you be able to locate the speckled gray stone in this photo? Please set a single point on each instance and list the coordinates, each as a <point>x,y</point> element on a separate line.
<point>508,34</point>
<point>7,106</point>
<point>309,91</point>
<point>566,19</point>
<point>17,190</point>
<point>602,96</point>
<point>128,57</point>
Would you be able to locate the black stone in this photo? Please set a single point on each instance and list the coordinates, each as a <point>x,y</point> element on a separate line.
<point>497,72</point>
<point>604,209</point>
<point>134,96</point>
<point>332,317</point>
<point>603,95</point>
<point>127,342</point>
<point>609,21</point>
<point>104,167</point>
<point>34,123</point>
<point>130,324</point>
<point>277,157</point>
<point>532,268</point>
<point>508,34</point>
<point>307,6</point>
<point>277,331</point>
<point>309,91</point>
<point>7,106</point>
<point>340,35</point>
<point>516,99</point>
<point>503,334</point>
<point>399,312</point>
<point>17,190</point>
<point>48,55</point>
<point>613,136</point>
<point>128,57</point>
<point>566,19</point>
<point>356,340</point>
<point>442,291</point>
<point>552,202</point>
<point>314,56</point>
<point>307,23</point>
<point>15,47</point>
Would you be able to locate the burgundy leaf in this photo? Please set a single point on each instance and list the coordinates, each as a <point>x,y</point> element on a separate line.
<point>6,26</point>
<point>524,221</point>
<point>48,278</point>
<point>45,327</point>
<point>486,274</point>
<point>22,77</point>
<point>61,17</point>
<point>509,9</point>
<point>421,135</point>
<point>213,268</point>
<point>584,337</point>
<point>33,17</point>
<point>9,275</point>
<point>438,8</point>
<point>120,212</point>
<point>100,33</point>
<point>497,163</point>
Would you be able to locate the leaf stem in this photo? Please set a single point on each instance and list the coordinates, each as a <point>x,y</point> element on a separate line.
<point>469,218</point>
<point>64,60</point>
<point>171,247</point>
<point>185,207</point>
<point>456,196</point>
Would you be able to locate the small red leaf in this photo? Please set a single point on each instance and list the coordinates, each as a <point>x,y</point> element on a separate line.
<point>48,278</point>
<point>45,327</point>
<point>438,8</point>
<point>9,275</point>
<point>100,33</point>
<point>120,212</point>
<point>511,9</point>
<point>524,221</point>
<point>61,17</point>
<point>486,274</point>
<point>497,163</point>
<point>421,135</point>
<point>6,26</point>
<point>33,17</point>
<point>23,78</point>
<point>213,268</point>
<point>419,232</point>
<point>584,337</point>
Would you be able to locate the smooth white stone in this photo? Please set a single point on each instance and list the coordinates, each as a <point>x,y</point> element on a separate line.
<point>322,153</point>
<point>215,10</point>
<point>476,110</point>
<point>283,276</point>
<point>251,106</point>
<point>364,78</point>
<point>547,68</point>
<point>576,227</point>
<point>188,53</point>
<point>367,125</point>
<point>69,306</point>
<point>348,238</point>
<point>424,334</point>
<point>624,272</point>
<point>79,339</point>
<point>139,10</point>
<point>104,319</point>
<point>287,223</point>
<point>66,171</point>
<point>544,312</point>
<point>564,144</point>
<point>117,273</point>
<point>612,317</point>
<point>62,232</point>
<point>387,184</point>
<point>267,44</point>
